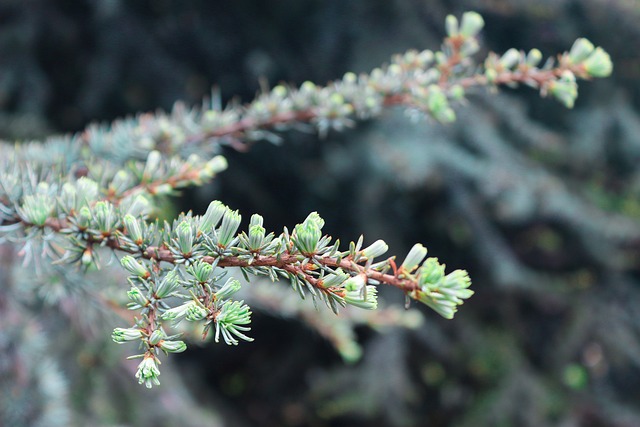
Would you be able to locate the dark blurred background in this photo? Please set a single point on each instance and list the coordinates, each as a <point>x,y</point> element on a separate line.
<point>541,205</point>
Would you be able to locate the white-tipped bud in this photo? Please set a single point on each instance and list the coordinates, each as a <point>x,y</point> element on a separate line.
<point>122,335</point>
<point>212,216</point>
<point>156,336</point>
<point>564,90</point>
<point>430,272</point>
<point>195,312</point>
<point>167,285</point>
<point>377,248</point>
<point>200,270</point>
<point>350,78</point>
<point>153,162</point>
<point>230,287</point>
<point>83,219</point>
<point>137,298</point>
<point>184,237</point>
<point>471,24</point>
<point>580,50</point>
<point>148,372</point>
<point>121,182</point>
<point>215,166</point>
<point>510,58</point>
<point>256,232</point>
<point>451,25</point>
<point>87,257</point>
<point>355,283</point>
<point>133,266</point>
<point>309,233</point>
<point>599,63</point>
<point>133,228</point>
<point>172,346</point>
<point>229,227</point>
<point>533,58</point>
<point>414,258</point>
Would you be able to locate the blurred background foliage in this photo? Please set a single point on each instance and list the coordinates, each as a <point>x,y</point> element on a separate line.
<point>539,203</point>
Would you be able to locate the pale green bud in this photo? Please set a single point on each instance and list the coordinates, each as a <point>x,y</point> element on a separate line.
<point>599,63</point>
<point>167,284</point>
<point>377,248</point>
<point>105,216</point>
<point>533,58</point>
<point>510,58</point>
<point>133,228</point>
<point>87,257</point>
<point>177,313</point>
<point>195,312</point>
<point>152,165</point>
<point>308,87</point>
<point>148,372</point>
<point>471,24</point>
<point>121,182</point>
<point>445,296</point>
<point>431,271</point>
<point>581,50</point>
<point>350,78</point>
<point>230,322</point>
<point>137,298</point>
<point>414,258</point>
<point>308,233</point>
<point>565,91</point>
<point>122,335</point>
<point>173,346</point>
<point>230,287</point>
<point>83,218</point>
<point>36,209</point>
<point>279,91</point>
<point>133,266</point>
<point>156,336</point>
<point>256,232</point>
<point>184,235</point>
<point>200,270</point>
<point>87,190</point>
<point>229,227</point>
<point>212,216</point>
<point>355,283</point>
<point>214,166</point>
<point>451,25</point>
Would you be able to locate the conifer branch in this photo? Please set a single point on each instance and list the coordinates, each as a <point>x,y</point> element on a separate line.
<point>69,197</point>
